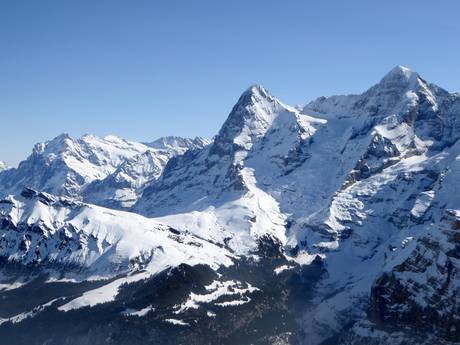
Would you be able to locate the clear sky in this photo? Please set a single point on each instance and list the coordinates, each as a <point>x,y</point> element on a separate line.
<point>144,69</point>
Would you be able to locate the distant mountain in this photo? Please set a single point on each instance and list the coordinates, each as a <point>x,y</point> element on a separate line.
<point>63,166</point>
<point>3,166</point>
<point>122,188</point>
<point>109,171</point>
<point>178,145</point>
<point>332,223</point>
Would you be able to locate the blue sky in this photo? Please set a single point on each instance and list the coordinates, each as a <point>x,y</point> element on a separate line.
<point>143,69</point>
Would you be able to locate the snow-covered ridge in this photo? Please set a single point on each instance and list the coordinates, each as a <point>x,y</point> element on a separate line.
<point>40,229</point>
<point>178,145</point>
<point>397,92</point>
<point>117,167</point>
<point>122,188</point>
<point>63,166</point>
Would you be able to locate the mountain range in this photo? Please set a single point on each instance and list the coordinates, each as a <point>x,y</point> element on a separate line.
<point>333,223</point>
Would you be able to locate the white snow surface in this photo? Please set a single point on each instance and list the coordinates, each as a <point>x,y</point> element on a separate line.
<point>217,289</point>
<point>177,322</point>
<point>100,241</point>
<point>64,165</point>
<point>108,171</point>
<point>122,188</point>
<point>140,313</point>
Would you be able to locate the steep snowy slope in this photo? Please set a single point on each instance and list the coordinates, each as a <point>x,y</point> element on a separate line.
<point>301,160</point>
<point>388,203</point>
<point>84,240</point>
<point>215,184</point>
<point>64,165</point>
<point>122,188</point>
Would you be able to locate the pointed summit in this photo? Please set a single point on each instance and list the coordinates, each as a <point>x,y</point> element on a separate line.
<point>400,70</point>
<point>53,145</point>
<point>250,117</point>
<point>257,89</point>
<point>400,76</point>
<point>254,94</point>
<point>396,92</point>
<point>390,94</point>
<point>61,137</point>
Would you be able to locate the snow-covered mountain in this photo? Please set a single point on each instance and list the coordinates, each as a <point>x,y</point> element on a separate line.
<point>122,188</point>
<point>335,223</point>
<point>109,171</point>
<point>88,240</point>
<point>355,180</point>
<point>178,145</point>
<point>63,166</point>
<point>216,195</point>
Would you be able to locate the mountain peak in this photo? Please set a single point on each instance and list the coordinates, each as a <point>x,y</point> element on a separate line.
<point>250,117</point>
<point>257,89</point>
<point>61,138</point>
<point>401,70</point>
<point>400,75</point>
<point>53,145</point>
<point>255,94</point>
